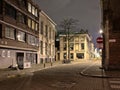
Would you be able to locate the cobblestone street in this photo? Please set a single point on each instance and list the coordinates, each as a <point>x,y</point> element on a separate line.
<point>62,77</point>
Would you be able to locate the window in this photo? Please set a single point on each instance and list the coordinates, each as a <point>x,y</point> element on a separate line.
<point>10,32</point>
<point>8,54</point>
<point>64,46</point>
<point>1,2</point>
<point>33,10</point>
<point>46,30</point>
<point>21,18</point>
<point>71,56</point>
<point>10,11</point>
<point>33,24</point>
<point>76,39</point>
<point>65,55</point>
<point>29,7</point>
<point>77,46</point>
<point>3,53</point>
<point>50,33</point>
<point>21,36</point>
<point>71,46</point>
<point>22,3</point>
<point>29,23</point>
<point>64,39</point>
<point>42,27</point>
<point>32,40</point>
<point>80,55</point>
<point>41,47</point>
<point>46,48</point>
<point>82,39</point>
<point>82,46</point>
<point>0,31</point>
<point>36,12</point>
<point>36,26</point>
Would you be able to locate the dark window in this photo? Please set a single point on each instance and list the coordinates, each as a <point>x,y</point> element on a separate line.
<point>10,11</point>
<point>21,18</point>
<point>65,55</point>
<point>46,48</point>
<point>41,27</point>
<point>9,32</point>
<point>41,47</point>
<point>22,3</point>
<point>0,31</point>
<point>71,55</point>
<point>80,55</point>
<point>71,46</point>
<point>46,30</point>
<point>1,6</point>
<point>82,46</point>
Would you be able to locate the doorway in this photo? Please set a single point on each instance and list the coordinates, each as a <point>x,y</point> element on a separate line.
<point>20,60</point>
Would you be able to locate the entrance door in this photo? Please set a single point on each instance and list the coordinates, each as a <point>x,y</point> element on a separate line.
<point>20,60</point>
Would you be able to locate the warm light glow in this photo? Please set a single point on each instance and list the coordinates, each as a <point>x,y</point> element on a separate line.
<point>101,31</point>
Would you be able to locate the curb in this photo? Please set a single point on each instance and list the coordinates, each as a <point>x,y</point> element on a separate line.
<point>95,76</point>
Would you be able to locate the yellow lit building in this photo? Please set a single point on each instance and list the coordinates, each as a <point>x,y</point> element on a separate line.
<point>80,47</point>
<point>46,39</point>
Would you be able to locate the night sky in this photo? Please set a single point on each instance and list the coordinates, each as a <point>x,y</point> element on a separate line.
<point>86,11</point>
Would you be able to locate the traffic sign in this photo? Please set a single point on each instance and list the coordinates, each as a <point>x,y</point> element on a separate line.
<point>99,40</point>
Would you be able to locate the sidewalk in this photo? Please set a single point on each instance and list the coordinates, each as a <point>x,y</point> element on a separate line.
<point>8,73</point>
<point>95,71</point>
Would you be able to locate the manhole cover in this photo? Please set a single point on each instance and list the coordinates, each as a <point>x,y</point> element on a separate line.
<point>64,84</point>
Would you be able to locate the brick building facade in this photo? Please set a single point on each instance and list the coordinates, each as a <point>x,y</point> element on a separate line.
<point>19,33</point>
<point>111,28</point>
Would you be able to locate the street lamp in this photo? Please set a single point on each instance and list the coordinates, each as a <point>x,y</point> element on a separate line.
<point>103,47</point>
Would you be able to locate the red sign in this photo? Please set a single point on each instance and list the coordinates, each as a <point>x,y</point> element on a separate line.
<point>99,40</point>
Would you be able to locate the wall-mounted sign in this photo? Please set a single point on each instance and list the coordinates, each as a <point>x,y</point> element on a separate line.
<point>112,40</point>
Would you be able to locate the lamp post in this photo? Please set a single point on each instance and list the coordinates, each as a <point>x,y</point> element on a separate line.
<point>103,48</point>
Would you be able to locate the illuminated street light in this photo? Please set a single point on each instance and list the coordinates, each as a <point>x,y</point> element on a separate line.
<point>101,31</point>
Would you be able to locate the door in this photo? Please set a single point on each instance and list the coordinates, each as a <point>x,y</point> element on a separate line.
<point>20,60</point>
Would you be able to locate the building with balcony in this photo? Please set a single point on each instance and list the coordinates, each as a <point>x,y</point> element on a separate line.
<point>19,33</point>
<point>78,48</point>
<point>46,38</point>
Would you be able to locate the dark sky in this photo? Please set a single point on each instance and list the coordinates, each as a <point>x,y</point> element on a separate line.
<point>86,11</point>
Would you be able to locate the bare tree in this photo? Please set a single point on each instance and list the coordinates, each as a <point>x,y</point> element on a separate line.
<point>68,28</point>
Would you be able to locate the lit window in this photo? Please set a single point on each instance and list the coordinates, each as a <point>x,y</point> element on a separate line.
<point>77,39</point>
<point>29,7</point>
<point>3,53</point>
<point>8,53</point>
<point>21,36</point>
<point>10,32</point>
<point>36,12</point>
<point>33,25</point>
<point>76,46</point>
<point>29,23</point>
<point>33,10</point>
<point>36,26</point>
